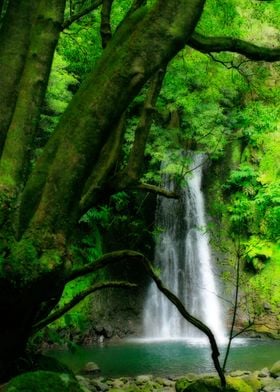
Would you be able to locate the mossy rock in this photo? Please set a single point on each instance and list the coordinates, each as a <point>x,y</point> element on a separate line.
<point>42,381</point>
<point>235,384</point>
<point>182,384</point>
<point>275,369</point>
<point>253,381</point>
<point>212,385</point>
<point>50,364</point>
<point>200,385</point>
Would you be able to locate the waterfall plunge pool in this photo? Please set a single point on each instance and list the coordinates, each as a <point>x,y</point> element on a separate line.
<point>170,357</point>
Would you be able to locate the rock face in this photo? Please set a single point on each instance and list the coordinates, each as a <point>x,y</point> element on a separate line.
<point>116,314</point>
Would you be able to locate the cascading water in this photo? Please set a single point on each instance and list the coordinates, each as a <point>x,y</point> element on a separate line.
<point>184,256</point>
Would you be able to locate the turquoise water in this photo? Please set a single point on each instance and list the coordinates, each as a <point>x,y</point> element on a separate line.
<point>169,358</point>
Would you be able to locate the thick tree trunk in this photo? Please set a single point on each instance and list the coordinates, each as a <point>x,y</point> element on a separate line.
<point>14,42</point>
<point>141,45</point>
<point>21,307</point>
<point>34,267</point>
<point>32,86</point>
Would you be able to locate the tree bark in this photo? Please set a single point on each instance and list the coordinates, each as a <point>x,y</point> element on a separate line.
<point>14,38</point>
<point>222,44</point>
<point>106,162</point>
<point>105,28</point>
<point>140,46</point>
<point>76,16</point>
<point>32,87</point>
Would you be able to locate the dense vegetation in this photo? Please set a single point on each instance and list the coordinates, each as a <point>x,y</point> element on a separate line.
<point>91,104</point>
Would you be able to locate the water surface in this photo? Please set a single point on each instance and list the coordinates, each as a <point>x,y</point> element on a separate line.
<point>170,358</point>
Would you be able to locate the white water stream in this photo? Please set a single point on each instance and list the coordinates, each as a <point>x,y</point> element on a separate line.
<point>185,263</point>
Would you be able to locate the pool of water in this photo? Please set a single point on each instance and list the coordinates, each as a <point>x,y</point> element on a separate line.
<point>169,358</point>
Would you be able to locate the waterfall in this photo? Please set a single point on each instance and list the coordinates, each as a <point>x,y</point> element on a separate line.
<point>185,263</point>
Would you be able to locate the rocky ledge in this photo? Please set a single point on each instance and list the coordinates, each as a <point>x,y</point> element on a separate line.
<point>265,380</point>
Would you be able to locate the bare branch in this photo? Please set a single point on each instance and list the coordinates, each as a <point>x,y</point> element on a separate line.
<point>227,44</point>
<point>77,299</point>
<point>73,18</point>
<point>157,190</point>
<point>187,316</point>
<point>243,329</point>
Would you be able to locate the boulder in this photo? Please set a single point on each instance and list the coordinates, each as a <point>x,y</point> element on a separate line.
<point>264,373</point>
<point>165,382</point>
<point>272,386</point>
<point>239,373</point>
<point>143,378</point>
<point>253,381</point>
<point>212,384</point>
<point>90,369</point>
<point>182,384</point>
<point>275,370</point>
<point>202,384</point>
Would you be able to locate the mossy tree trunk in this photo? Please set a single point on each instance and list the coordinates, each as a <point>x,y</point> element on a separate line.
<point>40,208</point>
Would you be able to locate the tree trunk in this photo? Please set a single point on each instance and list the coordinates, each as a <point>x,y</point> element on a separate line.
<point>141,45</point>
<point>21,307</point>
<point>18,144</point>
<point>14,38</point>
<point>34,267</point>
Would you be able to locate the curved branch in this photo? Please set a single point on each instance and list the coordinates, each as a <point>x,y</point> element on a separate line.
<point>73,18</point>
<point>77,299</point>
<point>187,316</point>
<point>157,190</point>
<point>227,44</point>
<point>113,257</point>
<point>103,261</point>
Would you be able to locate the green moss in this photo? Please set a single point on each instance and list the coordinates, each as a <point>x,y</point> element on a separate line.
<point>200,385</point>
<point>42,381</point>
<point>182,384</point>
<point>235,384</point>
<point>265,284</point>
<point>253,381</point>
<point>23,251</point>
<point>212,385</point>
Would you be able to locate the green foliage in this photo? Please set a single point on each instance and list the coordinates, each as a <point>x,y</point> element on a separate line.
<point>81,45</point>
<point>265,285</point>
<point>22,261</point>
<point>243,178</point>
<point>58,95</point>
<point>257,253</point>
